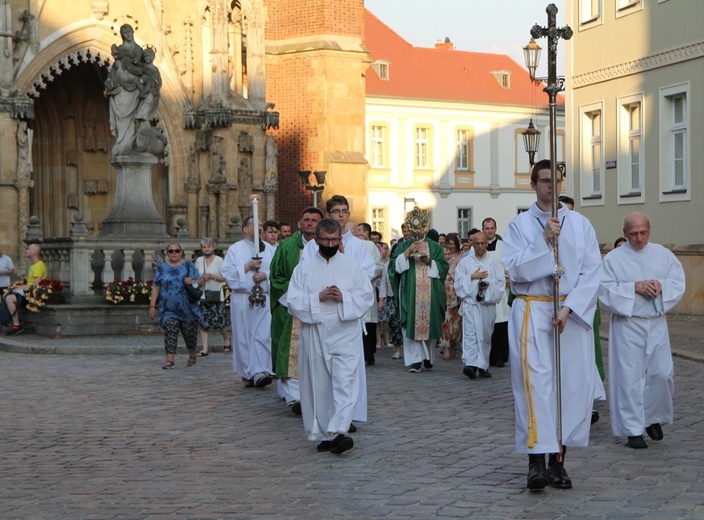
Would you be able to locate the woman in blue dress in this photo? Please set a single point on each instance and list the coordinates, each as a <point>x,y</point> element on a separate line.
<point>176,312</point>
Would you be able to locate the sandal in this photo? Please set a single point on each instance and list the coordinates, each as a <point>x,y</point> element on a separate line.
<point>227,350</point>
<point>203,353</point>
<point>192,359</point>
<point>168,366</point>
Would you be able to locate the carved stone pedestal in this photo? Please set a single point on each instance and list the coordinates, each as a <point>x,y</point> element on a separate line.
<point>133,213</point>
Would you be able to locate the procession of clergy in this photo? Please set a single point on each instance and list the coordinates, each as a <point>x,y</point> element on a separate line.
<point>318,284</point>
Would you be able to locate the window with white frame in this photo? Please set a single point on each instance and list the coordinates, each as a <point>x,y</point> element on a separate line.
<point>674,143</point>
<point>590,11</point>
<point>379,220</point>
<point>630,148</point>
<point>591,151</point>
<point>378,145</point>
<point>464,221</point>
<point>422,144</point>
<point>625,7</point>
<point>464,149</point>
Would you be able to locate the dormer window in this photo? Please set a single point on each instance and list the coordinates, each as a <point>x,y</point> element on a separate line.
<point>382,69</point>
<point>503,77</point>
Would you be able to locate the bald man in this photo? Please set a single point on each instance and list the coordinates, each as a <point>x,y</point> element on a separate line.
<point>640,282</point>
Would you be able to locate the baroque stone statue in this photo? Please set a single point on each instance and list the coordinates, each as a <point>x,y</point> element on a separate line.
<point>133,86</point>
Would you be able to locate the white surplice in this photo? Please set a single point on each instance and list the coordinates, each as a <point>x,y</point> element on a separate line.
<point>478,317</point>
<point>530,264</point>
<point>641,373</point>
<point>356,249</point>
<point>330,341</point>
<point>251,325</point>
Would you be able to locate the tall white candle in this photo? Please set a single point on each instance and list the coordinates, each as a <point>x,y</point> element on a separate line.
<point>254,199</point>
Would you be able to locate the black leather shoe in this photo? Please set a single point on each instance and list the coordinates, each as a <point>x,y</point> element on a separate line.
<point>296,408</point>
<point>427,364</point>
<point>537,475</point>
<point>324,446</point>
<point>654,431</point>
<point>595,416</point>
<point>636,442</point>
<point>484,373</point>
<point>499,363</point>
<point>340,444</point>
<point>557,476</point>
<point>352,428</point>
<point>470,372</point>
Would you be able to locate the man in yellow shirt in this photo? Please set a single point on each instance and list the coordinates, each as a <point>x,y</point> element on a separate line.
<point>15,297</point>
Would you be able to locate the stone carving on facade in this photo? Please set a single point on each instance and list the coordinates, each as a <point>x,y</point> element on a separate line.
<point>245,142</point>
<point>271,174</point>
<point>24,151</point>
<point>244,181</point>
<point>99,9</point>
<point>133,87</point>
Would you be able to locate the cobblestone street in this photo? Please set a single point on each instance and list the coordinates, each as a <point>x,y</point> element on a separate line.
<point>114,436</point>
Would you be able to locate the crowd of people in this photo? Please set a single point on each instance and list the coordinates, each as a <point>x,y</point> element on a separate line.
<point>338,295</point>
<point>310,308</point>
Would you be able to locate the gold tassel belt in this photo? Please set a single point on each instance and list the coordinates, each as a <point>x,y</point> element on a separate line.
<point>525,367</point>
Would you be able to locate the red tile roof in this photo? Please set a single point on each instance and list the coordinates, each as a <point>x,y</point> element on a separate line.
<point>443,74</point>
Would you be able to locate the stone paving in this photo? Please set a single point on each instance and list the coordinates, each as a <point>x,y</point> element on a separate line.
<point>116,437</point>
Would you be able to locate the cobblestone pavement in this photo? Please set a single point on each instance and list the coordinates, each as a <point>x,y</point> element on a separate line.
<point>115,436</point>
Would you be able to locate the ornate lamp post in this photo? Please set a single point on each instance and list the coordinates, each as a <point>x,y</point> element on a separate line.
<point>554,85</point>
<point>318,187</point>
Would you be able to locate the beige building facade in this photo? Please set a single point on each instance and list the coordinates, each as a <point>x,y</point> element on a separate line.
<point>55,139</point>
<point>634,117</point>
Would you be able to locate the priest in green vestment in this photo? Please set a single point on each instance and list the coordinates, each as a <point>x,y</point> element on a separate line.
<point>284,328</point>
<point>417,272</point>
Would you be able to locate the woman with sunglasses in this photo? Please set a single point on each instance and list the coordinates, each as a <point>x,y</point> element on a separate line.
<point>176,311</point>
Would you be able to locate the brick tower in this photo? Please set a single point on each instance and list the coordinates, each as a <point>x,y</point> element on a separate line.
<point>315,62</point>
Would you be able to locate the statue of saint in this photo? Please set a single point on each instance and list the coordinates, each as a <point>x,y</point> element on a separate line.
<point>271,167</point>
<point>133,86</point>
<point>244,181</point>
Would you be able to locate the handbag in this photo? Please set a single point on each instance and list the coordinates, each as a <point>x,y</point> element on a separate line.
<point>212,296</point>
<point>194,293</point>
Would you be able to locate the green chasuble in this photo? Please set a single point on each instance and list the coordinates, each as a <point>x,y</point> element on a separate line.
<point>405,290</point>
<point>286,258</point>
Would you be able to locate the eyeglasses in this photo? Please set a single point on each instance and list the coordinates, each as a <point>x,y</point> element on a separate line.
<point>545,182</point>
<point>329,241</point>
<point>340,212</point>
<point>173,250</point>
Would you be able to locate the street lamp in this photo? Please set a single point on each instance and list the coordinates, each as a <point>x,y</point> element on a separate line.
<point>532,54</point>
<point>531,140</point>
<point>318,187</point>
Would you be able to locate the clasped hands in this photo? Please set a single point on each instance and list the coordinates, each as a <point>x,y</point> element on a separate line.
<point>649,288</point>
<point>419,245</point>
<point>330,293</point>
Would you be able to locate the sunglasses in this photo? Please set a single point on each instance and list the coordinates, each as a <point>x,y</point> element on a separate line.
<point>173,250</point>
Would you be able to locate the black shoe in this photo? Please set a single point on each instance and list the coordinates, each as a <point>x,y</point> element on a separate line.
<point>370,362</point>
<point>537,475</point>
<point>595,416</point>
<point>557,476</point>
<point>654,431</point>
<point>296,408</point>
<point>499,363</point>
<point>262,381</point>
<point>415,368</point>
<point>352,428</point>
<point>484,373</point>
<point>427,364</point>
<point>248,383</point>
<point>470,372</point>
<point>636,442</point>
<point>324,446</point>
<point>341,443</point>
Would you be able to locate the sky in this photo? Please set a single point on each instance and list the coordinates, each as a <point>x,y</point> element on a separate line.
<point>495,26</point>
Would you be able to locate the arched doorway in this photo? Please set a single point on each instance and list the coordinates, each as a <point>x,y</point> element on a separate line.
<point>71,152</point>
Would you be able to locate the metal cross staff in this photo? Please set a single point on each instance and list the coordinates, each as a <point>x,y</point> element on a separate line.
<point>554,86</point>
